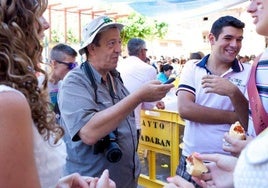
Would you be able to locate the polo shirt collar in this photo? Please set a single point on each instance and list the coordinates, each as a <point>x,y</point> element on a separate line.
<point>237,66</point>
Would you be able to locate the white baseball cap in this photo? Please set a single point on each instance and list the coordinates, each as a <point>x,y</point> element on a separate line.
<point>91,29</point>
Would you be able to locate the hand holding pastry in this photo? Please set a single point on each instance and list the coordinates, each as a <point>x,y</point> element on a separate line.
<point>194,166</point>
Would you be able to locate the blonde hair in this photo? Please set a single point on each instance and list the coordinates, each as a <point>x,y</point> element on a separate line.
<point>20,56</point>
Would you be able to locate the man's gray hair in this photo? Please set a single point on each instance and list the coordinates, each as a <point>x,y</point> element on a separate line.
<point>135,45</point>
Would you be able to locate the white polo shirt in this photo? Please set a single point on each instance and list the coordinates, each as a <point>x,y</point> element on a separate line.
<point>208,138</point>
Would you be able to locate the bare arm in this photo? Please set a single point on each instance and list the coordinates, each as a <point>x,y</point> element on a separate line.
<point>16,142</point>
<point>241,107</point>
<point>188,109</point>
<point>105,121</point>
<point>222,86</point>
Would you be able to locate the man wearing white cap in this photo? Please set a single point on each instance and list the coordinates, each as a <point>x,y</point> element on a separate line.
<point>97,110</point>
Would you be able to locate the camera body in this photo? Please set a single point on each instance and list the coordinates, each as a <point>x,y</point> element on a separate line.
<point>109,147</point>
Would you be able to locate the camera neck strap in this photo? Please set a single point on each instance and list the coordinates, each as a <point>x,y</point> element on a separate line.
<point>111,85</point>
<point>259,115</point>
<point>89,73</point>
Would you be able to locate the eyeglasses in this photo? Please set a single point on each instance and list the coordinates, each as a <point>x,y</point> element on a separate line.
<point>70,65</point>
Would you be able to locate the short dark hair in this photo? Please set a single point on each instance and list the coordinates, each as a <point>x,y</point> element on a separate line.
<point>59,50</point>
<point>96,40</point>
<point>165,67</point>
<point>134,46</point>
<point>225,21</point>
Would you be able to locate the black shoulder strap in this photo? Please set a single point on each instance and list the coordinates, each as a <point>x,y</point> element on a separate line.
<point>89,73</point>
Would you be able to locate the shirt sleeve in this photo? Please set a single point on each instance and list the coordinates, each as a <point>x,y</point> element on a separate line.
<point>77,104</point>
<point>187,78</point>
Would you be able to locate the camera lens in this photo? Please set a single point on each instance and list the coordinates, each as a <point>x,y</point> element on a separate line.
<point>113,153</point>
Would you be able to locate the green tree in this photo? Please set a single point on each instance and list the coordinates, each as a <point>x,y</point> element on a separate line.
<point>55,36</point>
<point>140,26</point>
<point>71,38</point>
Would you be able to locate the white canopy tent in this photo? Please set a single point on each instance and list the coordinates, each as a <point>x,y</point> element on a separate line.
<point>170,10</point>
<point>188,20</point>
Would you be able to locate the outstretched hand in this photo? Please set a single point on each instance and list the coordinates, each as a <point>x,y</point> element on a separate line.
<point>221,168</point>
<point>103,182</point>
<point>74,180</point>
<point>153,91</point>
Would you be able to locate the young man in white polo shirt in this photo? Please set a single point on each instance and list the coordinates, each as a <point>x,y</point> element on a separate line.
<point>211,92</point>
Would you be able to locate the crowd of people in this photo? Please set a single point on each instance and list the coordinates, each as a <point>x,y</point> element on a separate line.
<point>78,126</point>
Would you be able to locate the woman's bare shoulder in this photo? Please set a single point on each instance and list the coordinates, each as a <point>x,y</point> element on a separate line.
<point>14,105</point>
<point>12,100</point>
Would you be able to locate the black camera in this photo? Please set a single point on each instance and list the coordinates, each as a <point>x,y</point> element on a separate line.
<point>109,147</point>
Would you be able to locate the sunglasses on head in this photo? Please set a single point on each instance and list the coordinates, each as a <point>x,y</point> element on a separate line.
<point>70,65</point>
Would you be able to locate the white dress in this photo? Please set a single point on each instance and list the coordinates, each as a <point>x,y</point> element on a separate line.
<point>50,159</point>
